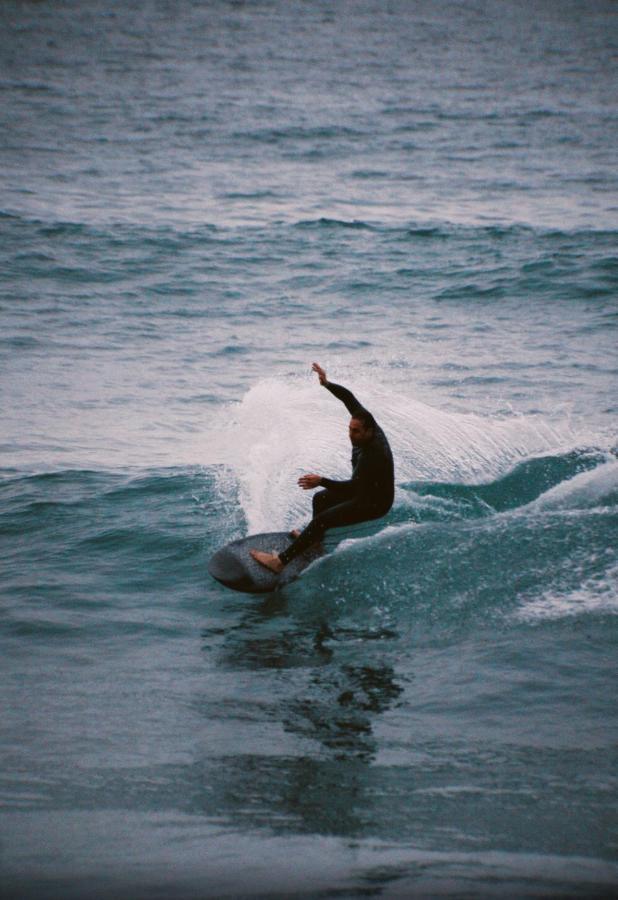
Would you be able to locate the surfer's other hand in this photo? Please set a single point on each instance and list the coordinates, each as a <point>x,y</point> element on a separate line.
<point>308,482</point>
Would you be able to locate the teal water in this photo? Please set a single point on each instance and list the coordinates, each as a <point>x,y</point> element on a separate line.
<point>196,201</point>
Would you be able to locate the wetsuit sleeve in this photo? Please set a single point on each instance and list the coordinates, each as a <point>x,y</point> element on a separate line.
<point>366,472</point>
<point>347,397</point>
<point>344,489</point>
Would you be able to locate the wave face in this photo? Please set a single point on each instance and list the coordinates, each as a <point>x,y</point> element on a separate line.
<point>197,200</point>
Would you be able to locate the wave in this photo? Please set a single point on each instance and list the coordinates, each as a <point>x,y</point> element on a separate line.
<point>125,513</point>
<point>300,133</point>
<point>534,545</point>
<point>585,490</point>
<point>96,553</point>
<point>327,223</point>
<point>529,541</point>
<point>120,232</point>
<point>439,579</point>
<point>547,480</point>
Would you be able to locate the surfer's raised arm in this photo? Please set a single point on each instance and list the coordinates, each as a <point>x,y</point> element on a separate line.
<point>347,397</point>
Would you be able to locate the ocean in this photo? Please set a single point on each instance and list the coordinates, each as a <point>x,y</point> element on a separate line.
<point>197,201</point>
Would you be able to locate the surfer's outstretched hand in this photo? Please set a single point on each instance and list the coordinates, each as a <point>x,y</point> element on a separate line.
<point>315,367</point>
<point>308,482</point>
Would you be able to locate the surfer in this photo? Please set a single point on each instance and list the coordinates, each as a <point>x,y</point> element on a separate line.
<point>368,494</point>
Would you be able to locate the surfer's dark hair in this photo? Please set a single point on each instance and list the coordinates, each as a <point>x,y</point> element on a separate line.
<point>366,418</point>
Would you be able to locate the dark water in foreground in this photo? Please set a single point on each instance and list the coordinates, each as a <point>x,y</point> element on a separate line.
<point>196,201</point>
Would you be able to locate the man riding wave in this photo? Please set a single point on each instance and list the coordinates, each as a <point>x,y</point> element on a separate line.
<point>367,495</point>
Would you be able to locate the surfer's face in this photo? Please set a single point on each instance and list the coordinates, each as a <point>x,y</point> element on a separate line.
<point>359,435</point>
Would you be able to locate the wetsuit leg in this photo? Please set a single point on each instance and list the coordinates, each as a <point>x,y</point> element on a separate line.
<point>350,512</point>
<point>323,500</point>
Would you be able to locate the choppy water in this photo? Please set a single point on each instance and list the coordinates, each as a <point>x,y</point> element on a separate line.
<point>196,201</point>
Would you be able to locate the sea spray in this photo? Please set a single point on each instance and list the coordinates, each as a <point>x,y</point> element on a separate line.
<point>284,427</point>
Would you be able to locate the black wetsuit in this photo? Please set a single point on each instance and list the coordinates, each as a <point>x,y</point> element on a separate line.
<point>367,495</point>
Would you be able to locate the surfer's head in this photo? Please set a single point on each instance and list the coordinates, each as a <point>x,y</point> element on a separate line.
<point>361,428</point>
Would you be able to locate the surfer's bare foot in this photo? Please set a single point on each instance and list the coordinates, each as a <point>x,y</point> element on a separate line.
<point>294,533</point>
<point>269,560</point>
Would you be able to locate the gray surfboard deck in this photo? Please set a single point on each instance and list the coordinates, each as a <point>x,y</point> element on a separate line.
<point>233,566</point>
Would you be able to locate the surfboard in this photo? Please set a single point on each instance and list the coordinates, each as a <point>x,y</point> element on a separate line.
<point>235,568</point>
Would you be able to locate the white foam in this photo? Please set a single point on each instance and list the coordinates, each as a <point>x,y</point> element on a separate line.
<point>285,427</point>
<point>584,491</point>
<point>599,594</point>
